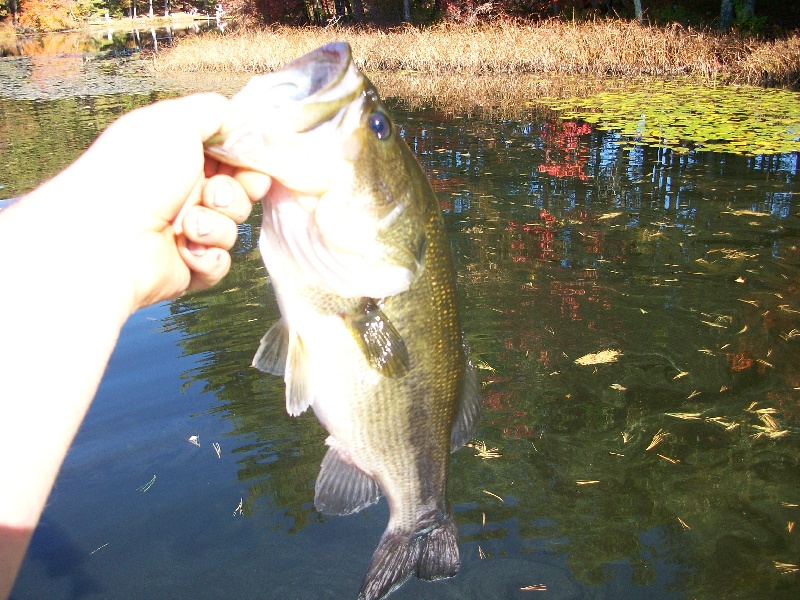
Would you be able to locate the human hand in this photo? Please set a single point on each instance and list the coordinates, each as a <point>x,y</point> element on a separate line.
<point>132,184</point>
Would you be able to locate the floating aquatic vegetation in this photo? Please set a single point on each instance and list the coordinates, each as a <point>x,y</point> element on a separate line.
<point>682,116</point>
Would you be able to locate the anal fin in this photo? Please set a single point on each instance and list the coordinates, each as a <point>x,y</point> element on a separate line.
<point>469,408</point>
<point>342,488</point>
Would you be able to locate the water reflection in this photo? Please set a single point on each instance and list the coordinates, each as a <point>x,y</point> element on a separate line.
<point>109,41</point>
<point>673,467</point>
<point>672,472</point>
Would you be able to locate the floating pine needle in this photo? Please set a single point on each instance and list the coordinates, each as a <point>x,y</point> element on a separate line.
<point>681,374</point>
<point>685,416</point>
<point>610,215</point>
<point>539,587</point>
<point>748,213</point>
<point>494,495</point>
<point>790,505</point>
<point>482,365</point>
<point>674,461</point>
<point>616,454</point>
<point>657,439</point>
<point>599,358</point>
<point>483,519</point>
<point>733,254</point>
<point>683,523</point>
<point>794,333</point>
<point>693,394</point>
<point>484,452</point>
<point>217,449</point>
<point>706,351</point>
<point>753,302</point>
<point>786,568</point>
<point>728,425</point>
<point>767,419</point>
<point>100,548</point>
<point>238,509</point>
<point>587,481</point>
<point>790,526</point>
<point>712,324</point>
<point>195,439</point>
<point>619,387</point>
<point>481,555</point>
<point>148,485</point>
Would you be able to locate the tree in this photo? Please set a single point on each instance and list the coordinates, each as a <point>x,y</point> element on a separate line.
<point>739,11</point>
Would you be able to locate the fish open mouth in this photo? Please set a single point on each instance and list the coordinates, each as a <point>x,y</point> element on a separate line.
<point>317,84</point>
<point>271,108</point>
<point>312,74</point>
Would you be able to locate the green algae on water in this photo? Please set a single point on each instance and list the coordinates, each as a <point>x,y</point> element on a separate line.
<point>737,119</point>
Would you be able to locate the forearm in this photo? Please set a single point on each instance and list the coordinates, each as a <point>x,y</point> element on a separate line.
<point>61,310</point>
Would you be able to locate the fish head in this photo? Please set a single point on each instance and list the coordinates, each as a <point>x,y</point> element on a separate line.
<point>344,206</point>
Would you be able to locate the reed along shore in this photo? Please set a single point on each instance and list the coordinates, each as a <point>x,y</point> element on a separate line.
<point>605,48</point>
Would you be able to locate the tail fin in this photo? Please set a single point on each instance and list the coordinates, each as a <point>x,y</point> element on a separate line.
<point>430,553</point>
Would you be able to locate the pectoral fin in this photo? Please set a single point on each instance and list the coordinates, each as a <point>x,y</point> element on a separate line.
<point>281,353</point>
<point>273,350</point>
<point>469,408</point>
<point>380,342</point>
<point>342,488</point>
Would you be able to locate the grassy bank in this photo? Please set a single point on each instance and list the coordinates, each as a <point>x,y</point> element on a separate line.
<point>599,48</point>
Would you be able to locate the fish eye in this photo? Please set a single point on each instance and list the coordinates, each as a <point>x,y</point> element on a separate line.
<point>380,125</point>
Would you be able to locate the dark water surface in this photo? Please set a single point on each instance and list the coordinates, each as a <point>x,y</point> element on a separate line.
<point>687,266</point>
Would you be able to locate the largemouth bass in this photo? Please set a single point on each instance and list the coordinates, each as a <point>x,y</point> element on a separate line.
<point>369,337</point>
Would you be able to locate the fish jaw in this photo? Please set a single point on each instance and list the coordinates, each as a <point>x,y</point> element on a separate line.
<point>263,118</point>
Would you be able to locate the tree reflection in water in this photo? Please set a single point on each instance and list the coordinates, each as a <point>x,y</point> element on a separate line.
<point>568,242</point>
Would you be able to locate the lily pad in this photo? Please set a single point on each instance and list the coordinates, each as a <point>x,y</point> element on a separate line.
<point>736,119</point>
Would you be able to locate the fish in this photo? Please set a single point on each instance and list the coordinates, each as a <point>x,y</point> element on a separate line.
<point>369,338</point>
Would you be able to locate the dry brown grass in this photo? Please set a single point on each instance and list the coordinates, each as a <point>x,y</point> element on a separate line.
<point>597,48</point>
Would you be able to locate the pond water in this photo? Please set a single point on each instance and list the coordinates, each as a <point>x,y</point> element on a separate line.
<point>671,472</point>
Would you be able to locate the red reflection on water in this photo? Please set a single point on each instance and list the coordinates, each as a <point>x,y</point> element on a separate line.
<point>565,156</point>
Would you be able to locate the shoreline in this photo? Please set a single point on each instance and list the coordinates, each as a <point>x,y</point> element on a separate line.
<point>599,48</point>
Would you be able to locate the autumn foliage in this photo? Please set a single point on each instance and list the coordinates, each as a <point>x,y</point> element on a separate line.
<point>47,15</point>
